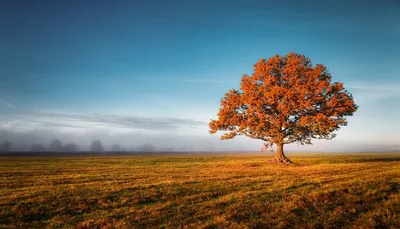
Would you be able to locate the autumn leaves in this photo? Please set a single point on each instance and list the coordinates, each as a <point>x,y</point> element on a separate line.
<point>285,100</point>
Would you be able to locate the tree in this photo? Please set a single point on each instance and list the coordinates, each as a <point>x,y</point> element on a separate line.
<point>285,100</point>
<point>96,146</point>
<point>5,147</point>
<point>56,146</point>
<point>70,147</point>
<point>37,148</point>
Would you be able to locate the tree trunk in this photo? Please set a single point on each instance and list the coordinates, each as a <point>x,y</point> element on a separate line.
<point>280,155</point>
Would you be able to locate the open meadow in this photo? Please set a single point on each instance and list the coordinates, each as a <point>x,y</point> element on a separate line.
<point>200,191</point>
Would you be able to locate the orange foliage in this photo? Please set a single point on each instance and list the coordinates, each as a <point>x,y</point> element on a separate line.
<point>285,100</point>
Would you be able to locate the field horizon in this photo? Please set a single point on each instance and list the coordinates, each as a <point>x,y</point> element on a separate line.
<point>200,191</point>
<point>196,153</point>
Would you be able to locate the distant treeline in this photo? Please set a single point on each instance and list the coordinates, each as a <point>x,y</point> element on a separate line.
<point>57,146</point>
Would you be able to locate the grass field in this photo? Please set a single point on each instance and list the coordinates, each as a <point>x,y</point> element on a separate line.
<point>200,192</point>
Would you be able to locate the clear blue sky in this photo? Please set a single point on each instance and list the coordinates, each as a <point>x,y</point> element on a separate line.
<point>103,68</point>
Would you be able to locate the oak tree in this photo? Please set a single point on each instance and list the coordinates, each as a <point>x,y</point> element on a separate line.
<point>285,100</point>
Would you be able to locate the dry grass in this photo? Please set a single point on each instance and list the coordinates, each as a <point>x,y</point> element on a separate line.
<point>200,192</point>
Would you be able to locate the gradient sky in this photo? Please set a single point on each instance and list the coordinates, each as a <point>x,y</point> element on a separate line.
<point>132,72</point>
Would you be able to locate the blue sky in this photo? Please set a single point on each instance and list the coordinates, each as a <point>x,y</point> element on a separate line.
<point>135,62</point>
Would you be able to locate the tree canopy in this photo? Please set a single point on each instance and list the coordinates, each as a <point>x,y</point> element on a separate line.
<point>56,146</point>
<point>285,100</point>
<point>96,146</point>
